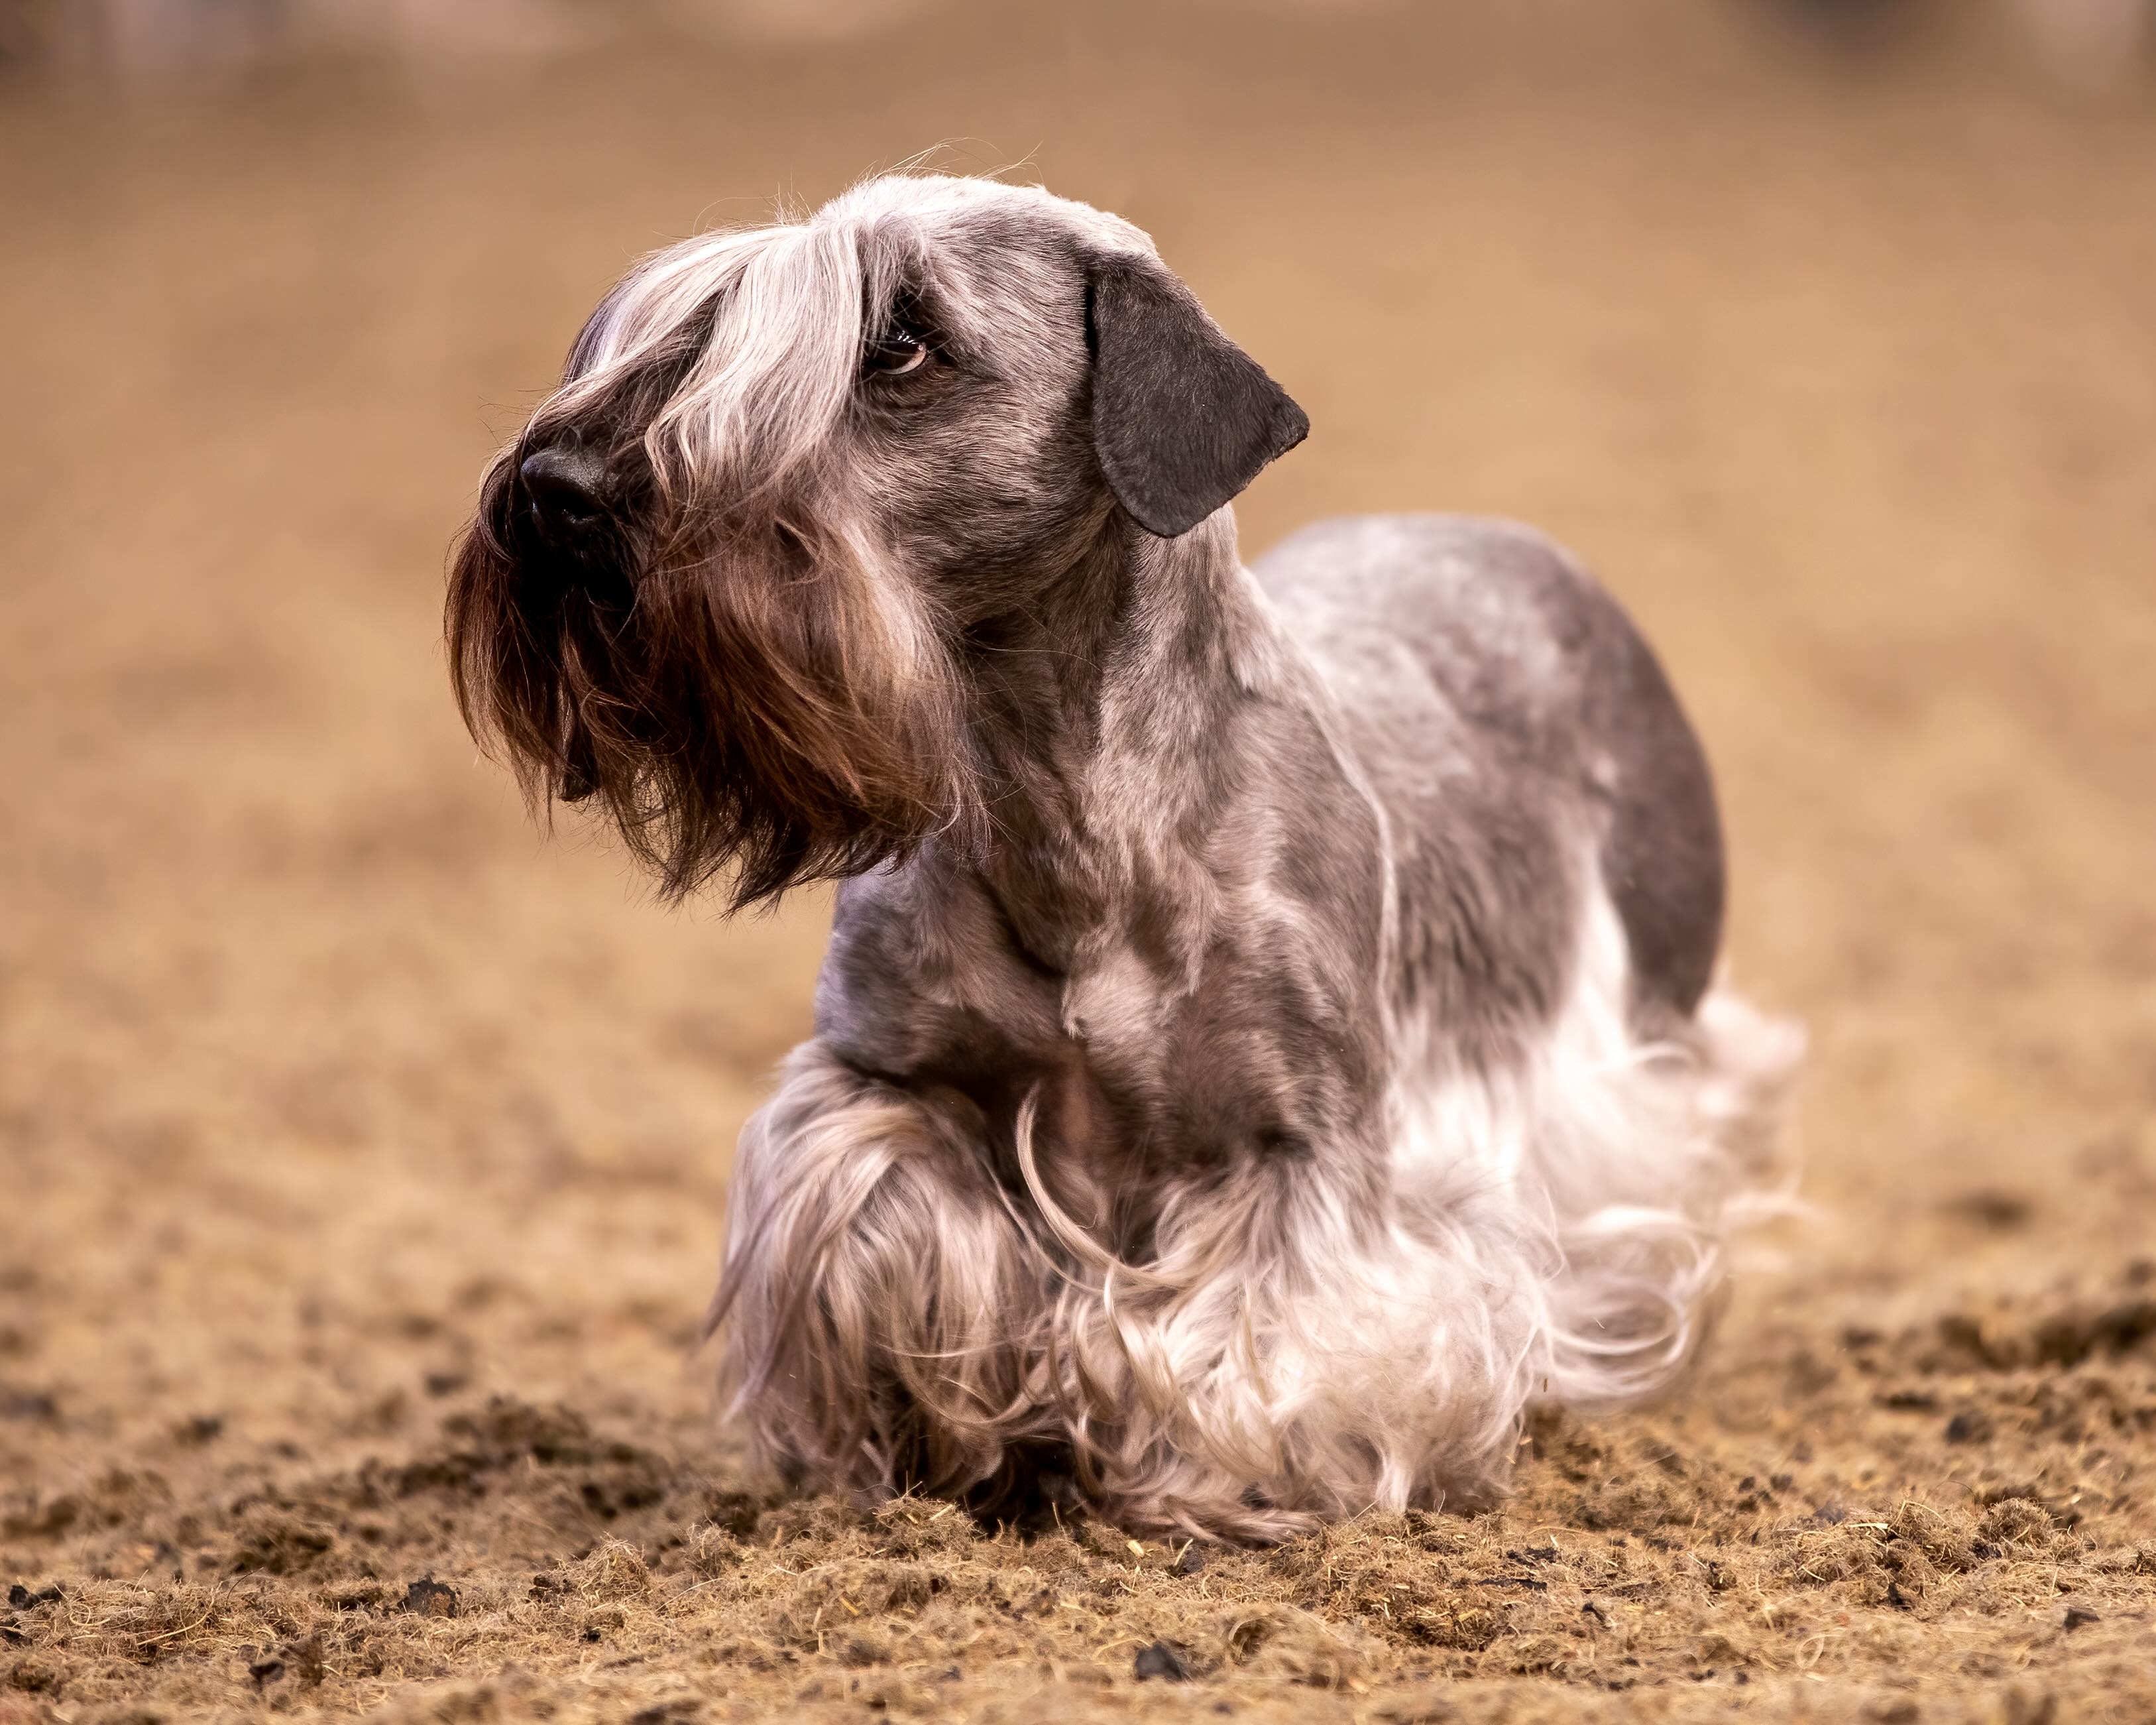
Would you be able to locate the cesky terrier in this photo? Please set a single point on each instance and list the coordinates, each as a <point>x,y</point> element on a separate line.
<point>1268,1039</point>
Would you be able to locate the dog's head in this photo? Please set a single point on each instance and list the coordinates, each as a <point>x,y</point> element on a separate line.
<point>730,577</point>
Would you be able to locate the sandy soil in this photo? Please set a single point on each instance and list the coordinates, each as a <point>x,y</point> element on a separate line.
<point>361,1155</point>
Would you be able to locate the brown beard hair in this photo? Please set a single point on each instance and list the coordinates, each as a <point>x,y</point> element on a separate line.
<point>735,696</point>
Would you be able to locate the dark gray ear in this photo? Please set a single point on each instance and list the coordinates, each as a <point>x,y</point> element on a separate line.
<point>1182,417</point>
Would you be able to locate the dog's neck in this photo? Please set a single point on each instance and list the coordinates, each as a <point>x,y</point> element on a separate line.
<point>1103,731</point>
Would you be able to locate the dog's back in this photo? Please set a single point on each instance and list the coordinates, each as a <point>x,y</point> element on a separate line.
<point>1508,715</point>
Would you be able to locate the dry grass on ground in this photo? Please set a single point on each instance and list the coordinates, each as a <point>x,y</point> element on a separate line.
<point>361,1158</point>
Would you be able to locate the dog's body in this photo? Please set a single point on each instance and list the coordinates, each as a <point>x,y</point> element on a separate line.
<point>1269,1044</point>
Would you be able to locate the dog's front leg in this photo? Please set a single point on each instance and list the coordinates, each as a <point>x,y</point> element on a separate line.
<point>879,1309</point>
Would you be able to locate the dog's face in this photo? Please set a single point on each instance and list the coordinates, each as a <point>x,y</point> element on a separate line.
<point>730,577</point>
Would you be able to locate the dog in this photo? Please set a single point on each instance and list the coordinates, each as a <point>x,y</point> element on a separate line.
<point>1268,1039</point>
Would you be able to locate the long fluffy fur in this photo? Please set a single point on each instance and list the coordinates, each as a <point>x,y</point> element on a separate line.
<point>893,1318</point>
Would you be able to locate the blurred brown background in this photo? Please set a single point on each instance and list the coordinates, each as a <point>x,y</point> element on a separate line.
<point>333,1103</point>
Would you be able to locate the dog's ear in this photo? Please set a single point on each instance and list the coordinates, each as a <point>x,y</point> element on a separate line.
<point>1182,417</point>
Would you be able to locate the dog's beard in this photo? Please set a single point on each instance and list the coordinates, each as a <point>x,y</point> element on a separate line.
<point>764,698</point>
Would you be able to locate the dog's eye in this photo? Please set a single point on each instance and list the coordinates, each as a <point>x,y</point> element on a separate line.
<point>904,342</point>
<point>895,352</point>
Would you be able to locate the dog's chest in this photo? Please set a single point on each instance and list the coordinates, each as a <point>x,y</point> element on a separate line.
<point>1254,1043</point>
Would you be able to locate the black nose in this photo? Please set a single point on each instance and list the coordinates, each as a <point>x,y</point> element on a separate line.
<point>566,483</point>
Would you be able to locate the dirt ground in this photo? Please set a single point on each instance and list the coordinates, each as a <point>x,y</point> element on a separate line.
<point>361,1155</point>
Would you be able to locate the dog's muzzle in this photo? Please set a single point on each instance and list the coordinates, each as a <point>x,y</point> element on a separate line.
<point>565,482</point>
<point>567,525</point>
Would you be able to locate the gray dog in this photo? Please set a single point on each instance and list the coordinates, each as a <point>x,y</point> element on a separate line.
<point>1266,1042</point>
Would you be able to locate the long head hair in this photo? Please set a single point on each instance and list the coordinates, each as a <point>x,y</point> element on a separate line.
<point>713,644</point>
